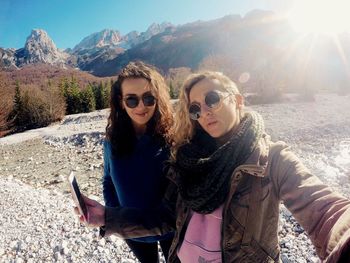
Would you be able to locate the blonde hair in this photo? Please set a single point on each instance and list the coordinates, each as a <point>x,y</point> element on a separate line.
<point>184,127</point>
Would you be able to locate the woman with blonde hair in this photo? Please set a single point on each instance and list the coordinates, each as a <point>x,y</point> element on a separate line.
<point>136,146</point>
<point>231,179</point>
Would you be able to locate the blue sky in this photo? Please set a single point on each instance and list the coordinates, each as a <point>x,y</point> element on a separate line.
<point>68,21</point>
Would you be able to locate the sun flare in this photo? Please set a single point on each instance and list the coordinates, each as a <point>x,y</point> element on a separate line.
<point>320,16</point>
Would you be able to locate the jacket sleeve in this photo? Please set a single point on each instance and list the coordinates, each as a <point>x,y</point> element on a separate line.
<point>128,222</point>
<point>323,213</point>
<point>109,193</point>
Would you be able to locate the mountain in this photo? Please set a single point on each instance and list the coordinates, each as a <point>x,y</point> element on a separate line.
<point>89,55</point>
<point>152,30</point>
<point>260,51</point>
<point>94,51</point>
<point>188,45</point>
<point>101,39</point>
<point>39,48</point>
<point>7,58</point>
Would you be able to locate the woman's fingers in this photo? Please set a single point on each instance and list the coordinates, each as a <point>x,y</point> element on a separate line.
<point>82,219</point>
<point>95,213</point>
<point>88,201</point>
<point>76,211</point>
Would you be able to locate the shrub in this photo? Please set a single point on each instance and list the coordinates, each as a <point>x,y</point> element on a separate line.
<point>5,108</point>
<point>36,108</point>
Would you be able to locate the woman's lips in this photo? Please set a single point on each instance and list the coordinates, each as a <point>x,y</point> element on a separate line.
<point>211,123</point>
<point>141,114</point>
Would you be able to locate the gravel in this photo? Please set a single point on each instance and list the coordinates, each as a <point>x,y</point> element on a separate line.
<point>38,225</point>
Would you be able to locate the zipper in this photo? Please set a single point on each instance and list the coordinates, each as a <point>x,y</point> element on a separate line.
<point>236,177</point>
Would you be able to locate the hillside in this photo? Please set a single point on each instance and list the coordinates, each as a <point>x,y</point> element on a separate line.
<point>38,77</point>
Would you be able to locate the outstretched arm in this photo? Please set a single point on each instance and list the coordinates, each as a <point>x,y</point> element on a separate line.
<point>324,214</point>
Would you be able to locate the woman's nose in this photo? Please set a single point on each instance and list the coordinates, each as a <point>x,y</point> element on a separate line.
<point>206,111</point>
<point>140,105</point>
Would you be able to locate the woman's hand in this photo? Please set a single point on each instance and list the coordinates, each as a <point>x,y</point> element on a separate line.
<point>95,213</point>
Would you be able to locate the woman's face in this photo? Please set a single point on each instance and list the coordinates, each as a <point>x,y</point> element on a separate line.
<point>137,88</point>
<point>219,121</point>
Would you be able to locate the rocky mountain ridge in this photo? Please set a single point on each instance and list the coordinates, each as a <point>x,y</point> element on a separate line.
<point>97,47</point>
<point>99,52</point>
<point>113,38</point>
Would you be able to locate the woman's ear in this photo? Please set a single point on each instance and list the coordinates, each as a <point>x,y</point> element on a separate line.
<point>239,101</point>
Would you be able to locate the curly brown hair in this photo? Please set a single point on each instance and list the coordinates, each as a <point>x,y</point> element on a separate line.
<point>119,130</point>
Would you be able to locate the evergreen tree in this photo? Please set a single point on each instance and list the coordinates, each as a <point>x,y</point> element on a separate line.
<point>17,102</point>
<point>98,94</point>
<point>16,115</point>
<point>71,92</point>
<point>50,97</point>
<point>102,95</point>
<point>87,100</point>
<point>74,99</point>
<point>107,94</point>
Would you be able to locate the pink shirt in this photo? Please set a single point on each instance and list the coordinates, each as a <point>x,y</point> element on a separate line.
<point>202,238</point>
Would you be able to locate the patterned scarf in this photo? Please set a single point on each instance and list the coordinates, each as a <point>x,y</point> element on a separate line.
<point>205,169</point>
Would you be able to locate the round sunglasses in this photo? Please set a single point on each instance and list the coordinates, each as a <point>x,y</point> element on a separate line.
<point>212,100</point>
<point>132,100</point>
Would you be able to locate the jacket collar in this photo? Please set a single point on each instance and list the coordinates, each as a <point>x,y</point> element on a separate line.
<point>257,162</point>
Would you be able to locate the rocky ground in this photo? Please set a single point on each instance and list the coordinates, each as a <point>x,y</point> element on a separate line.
<point>37,222</point>
<point>36,219</point>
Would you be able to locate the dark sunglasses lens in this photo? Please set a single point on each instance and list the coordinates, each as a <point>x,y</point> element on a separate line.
<point>132,102</point>
<point>195,111</point>
<point>212,99</point>
<point>149,100</point>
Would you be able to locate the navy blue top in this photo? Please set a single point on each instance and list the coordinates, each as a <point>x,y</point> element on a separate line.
<point>137,180</point>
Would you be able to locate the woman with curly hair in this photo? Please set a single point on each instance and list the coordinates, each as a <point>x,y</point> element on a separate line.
<point>136,147</point>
